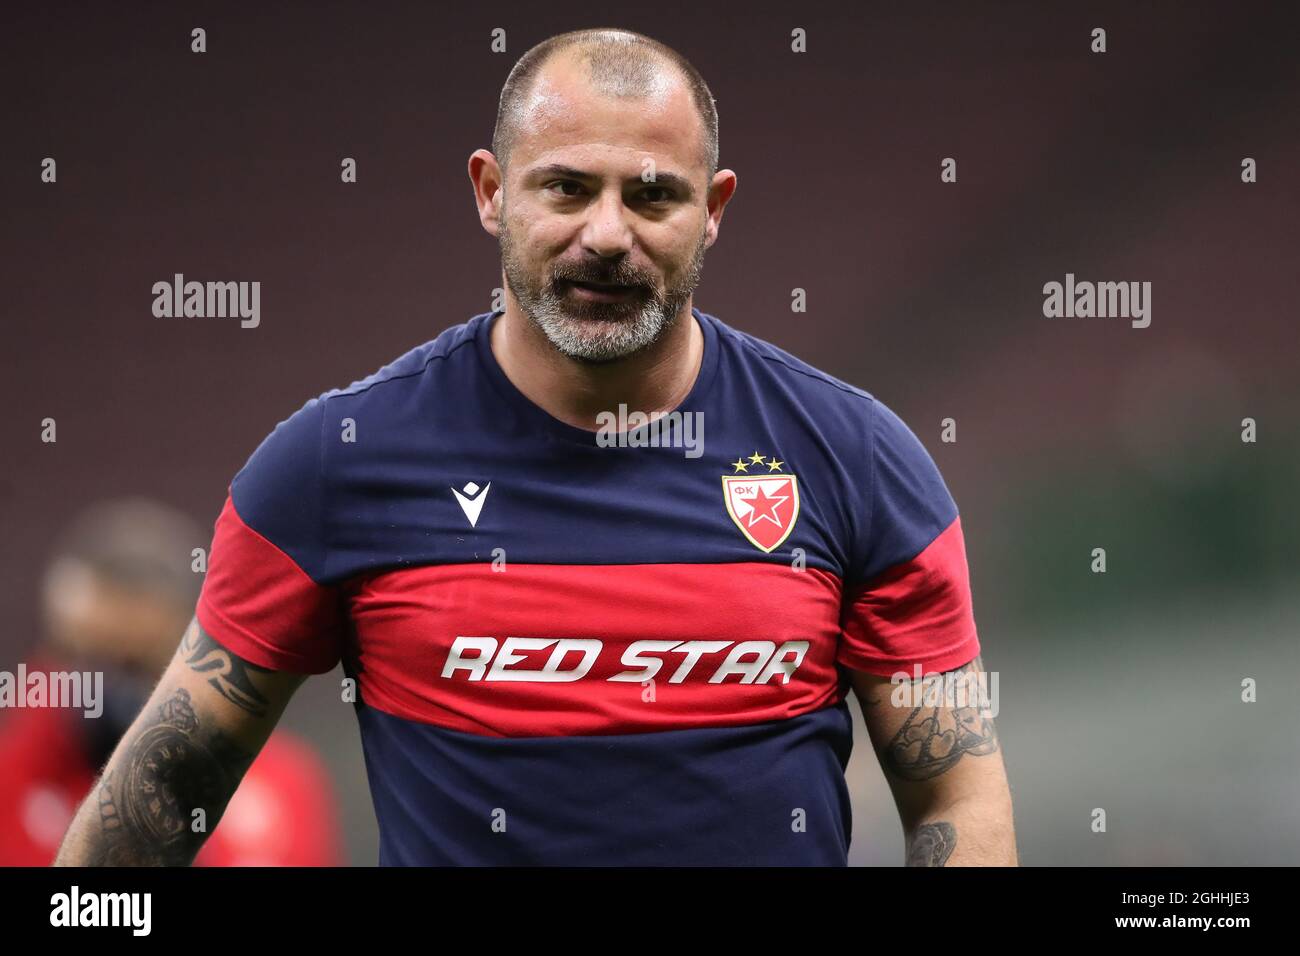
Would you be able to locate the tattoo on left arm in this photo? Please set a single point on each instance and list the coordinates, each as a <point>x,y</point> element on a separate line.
<point>933,738</point>
<point>931,844</point>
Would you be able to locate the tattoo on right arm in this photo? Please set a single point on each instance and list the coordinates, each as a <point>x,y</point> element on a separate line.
<point>227,673</point>
<point>931,844</point>
<point>171,768</point>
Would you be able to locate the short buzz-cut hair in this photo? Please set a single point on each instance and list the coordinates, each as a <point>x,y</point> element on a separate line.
<point>620,63</point>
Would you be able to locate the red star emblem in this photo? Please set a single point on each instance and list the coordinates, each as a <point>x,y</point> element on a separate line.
<point>763,506</point>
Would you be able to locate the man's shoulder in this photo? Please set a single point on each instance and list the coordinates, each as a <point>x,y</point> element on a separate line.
<point>840,412</point>
<point>381,399</point>
<point>450,348</point>
<point>775,365</point>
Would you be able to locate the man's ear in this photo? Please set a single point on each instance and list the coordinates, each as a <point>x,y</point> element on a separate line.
<point>721,190</point>
<point>486,176</point>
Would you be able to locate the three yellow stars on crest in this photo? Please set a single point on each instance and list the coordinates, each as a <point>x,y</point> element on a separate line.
<point>740,464</point>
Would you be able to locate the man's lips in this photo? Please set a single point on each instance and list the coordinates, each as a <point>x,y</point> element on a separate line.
<point>600,291</point>
<point>607,286</point>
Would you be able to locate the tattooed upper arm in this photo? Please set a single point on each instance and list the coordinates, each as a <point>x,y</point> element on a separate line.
<point>172,774</point>
<point>936,742</point>
<point>922,738</point>
<point>158,802</point>
<point>228,674</point>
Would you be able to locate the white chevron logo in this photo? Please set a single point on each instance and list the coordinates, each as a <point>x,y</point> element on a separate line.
<point>471,501</point>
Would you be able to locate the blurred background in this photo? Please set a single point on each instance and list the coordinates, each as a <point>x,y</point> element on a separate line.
<point>1119,691</point>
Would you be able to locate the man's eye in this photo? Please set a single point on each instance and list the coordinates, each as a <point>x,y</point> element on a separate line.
<point>566,182</point>
<point>667,194</point>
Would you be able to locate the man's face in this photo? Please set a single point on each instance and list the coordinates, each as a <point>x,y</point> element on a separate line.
<point>576,210</point>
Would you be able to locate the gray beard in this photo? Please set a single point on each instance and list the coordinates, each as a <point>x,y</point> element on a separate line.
<point>597,332</point>
<point>597,339</point>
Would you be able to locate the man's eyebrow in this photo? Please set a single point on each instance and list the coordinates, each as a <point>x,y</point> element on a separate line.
<point>680,183</point>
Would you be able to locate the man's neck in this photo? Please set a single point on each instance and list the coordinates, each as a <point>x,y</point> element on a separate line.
<point>657,379</point>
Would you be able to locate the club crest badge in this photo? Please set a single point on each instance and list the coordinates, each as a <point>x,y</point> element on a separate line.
<point>762,500</point>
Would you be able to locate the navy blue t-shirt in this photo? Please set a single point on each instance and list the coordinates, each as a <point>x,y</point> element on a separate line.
<point>575,647</point>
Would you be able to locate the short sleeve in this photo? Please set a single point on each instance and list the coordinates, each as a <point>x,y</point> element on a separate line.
<point>262,597</point>
<point>910,603</point>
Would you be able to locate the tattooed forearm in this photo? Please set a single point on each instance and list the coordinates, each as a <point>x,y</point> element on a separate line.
<point>147,801</point>
<point>226,672</point>
<point>934,737</point>
<point>931,844</point>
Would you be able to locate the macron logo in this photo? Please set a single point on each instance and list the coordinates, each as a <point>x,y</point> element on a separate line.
<point>471,499</point>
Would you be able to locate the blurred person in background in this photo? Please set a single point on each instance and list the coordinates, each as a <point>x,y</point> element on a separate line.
<point>118,593</point>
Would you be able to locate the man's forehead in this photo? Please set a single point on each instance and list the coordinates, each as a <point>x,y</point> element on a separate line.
<point>564,108</point>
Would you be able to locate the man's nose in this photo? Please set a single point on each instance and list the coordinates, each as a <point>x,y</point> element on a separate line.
<point>606,231</point>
